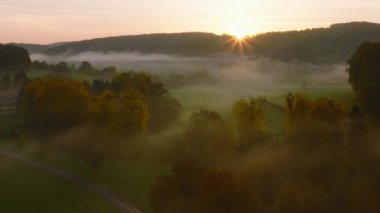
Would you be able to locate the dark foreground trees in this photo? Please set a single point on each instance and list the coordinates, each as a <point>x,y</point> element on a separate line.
<point>14,58</point>
<point>364,72</point>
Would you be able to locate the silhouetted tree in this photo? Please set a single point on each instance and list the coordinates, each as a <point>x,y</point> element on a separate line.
<point>364,72</point>
<point>14,58</point>
<point>85,67</point>
<point>60,68</point>
<point>99,86</point>
<point>40,65</point>
<point>109,70</point>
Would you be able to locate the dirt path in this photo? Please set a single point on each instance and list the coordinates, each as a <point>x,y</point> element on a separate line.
<point>107,195</point>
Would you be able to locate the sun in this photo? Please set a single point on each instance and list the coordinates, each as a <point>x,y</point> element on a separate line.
<point>239,36</point>
<point>239,33</point>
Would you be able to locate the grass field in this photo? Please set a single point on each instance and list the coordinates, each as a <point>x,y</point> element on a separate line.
<point>129,180</point>
<point>33,73</point>
<point>24,189</point>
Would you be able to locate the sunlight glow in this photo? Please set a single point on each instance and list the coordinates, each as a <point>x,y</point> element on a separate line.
<point>240,45</point>
<point>239,35</point>
<point>239,30</point>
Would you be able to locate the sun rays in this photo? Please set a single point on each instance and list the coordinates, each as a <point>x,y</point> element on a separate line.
<point>238,44</point>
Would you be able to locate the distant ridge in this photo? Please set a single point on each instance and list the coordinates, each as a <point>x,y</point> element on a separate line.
<point>189,44</point>
<point>327,45</point>
<point>334,44</point>
<point>38,48</point>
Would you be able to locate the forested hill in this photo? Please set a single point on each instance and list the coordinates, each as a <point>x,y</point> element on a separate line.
<point>331,45</point>
<point>188,44</point>
<point>39,48</point>
<point>334,44</point>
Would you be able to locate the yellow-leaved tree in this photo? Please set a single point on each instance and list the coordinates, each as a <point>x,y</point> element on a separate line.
<point>53,102</point>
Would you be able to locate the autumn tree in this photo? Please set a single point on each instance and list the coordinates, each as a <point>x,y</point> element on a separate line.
<point>202,191</point>
<point>54,102</point>
<point>249,115</point>
<point>289,199</point>
<point>120,116</point>
<point>164,109</point>
<point>207,138</point>
<point>200,181</point>
<point>314,123</point>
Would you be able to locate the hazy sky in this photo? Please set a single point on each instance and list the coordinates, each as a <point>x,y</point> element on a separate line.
<point>45,21</point>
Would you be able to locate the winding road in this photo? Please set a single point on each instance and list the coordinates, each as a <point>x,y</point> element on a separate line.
<point>107,195</point>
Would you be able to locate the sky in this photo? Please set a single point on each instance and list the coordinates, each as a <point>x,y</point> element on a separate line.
<point>48,21</point>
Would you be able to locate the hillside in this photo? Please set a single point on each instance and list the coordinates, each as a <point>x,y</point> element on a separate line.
<point>189,44</point>
<point>334,44</point>
<point>38,48</point>
<point>322,45</point>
